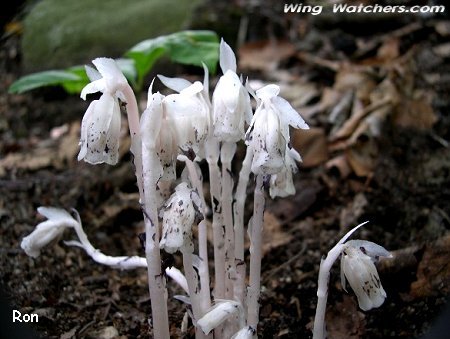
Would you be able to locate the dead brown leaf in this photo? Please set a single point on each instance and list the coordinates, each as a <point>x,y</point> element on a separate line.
<point>351,78</point>
<point>362,157</point>
<point>345,321</point>
<point>312,145</point>
<point>433,272</point>
<point>415,113</point>
<point>273,235</point>
<point>442,50</point>
<point>340,165</point>
<point>389,50</point>
<point>264,55</point>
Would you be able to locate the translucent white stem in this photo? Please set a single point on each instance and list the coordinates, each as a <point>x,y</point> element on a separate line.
<point>319,331</point>
<point>212,157</point>
<point>226,156</point>
<point>194,287</point>
<point>255,254</point>
<point>205,300</point>
<point>156,280</point>
<point>239,234</point>
<point>121,262</point>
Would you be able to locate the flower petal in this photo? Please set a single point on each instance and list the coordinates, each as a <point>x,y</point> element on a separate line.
<point>288,114</point>
<point>268,92</point>
<point>47,231</point>
<point>370,248</point>
<point>176,84</point>
<point>151,120</point>
<point>97,127</point>
<point>111,151</point>
<point>227,58</point>
<point>192,89</point>
<point>54,213</point>
<point>227,90</point>
<point>362,276</point>
<point>92,73</point>
<point>109,69</point>
<point>93,87</point>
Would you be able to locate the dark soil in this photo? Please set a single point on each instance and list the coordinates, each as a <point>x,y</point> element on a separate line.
<point>407,203</point>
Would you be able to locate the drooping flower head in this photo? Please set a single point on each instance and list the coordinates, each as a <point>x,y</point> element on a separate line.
<point>176,122</point>
<point>268,133</point>
<point>188,115</point>
<point>357,266</point>
<point>47,231</point>
<point>100,127</point>
<point>230,102</point>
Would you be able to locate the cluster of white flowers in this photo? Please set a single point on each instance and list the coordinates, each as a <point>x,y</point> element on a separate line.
<point>187,125</point>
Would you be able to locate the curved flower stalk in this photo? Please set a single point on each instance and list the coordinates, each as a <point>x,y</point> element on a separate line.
<point>268,133</point>
<point>357,266</point>
<point>100,127</point>
<point>59,220</point>
<point>231,101</point>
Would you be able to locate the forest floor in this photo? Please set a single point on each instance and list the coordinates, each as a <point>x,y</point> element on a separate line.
<point>379,150</point>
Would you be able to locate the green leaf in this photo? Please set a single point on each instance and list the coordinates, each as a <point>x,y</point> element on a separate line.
<point>195,48</point>
<point>186,47</point>
<point>145,55</point>
<point>75,87</point>
<point>48,78</point>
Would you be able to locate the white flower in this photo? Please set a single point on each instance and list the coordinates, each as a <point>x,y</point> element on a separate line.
<point>100,127</point>
<point>178,217</point>
<point>188,116</point>
<point>158,136</point>
<point>357,266</point>
<point>268,133</point>
<point>231,101</point>
<point>46,231</point>
<point>174,122</point>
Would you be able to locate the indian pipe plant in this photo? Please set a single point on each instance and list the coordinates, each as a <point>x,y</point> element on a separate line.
<point>187,127</point>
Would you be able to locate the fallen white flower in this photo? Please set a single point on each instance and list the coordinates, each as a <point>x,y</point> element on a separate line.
<point>46,231</point>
